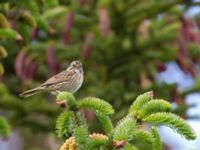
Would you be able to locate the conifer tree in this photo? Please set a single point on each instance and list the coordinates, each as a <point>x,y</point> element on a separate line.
<point>122,44</point>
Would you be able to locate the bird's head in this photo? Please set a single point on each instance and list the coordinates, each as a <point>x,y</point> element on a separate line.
<point>76,64</point>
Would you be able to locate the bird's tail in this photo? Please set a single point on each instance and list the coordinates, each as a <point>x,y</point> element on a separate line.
<point>31,92</point>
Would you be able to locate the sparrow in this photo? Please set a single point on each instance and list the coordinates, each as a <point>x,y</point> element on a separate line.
<point>69,80</point>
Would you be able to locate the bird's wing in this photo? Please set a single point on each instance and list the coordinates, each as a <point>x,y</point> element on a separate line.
<point>63,76</point>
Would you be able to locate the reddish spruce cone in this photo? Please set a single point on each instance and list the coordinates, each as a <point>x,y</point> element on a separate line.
<point>104,22</point>
<point>67,28</point>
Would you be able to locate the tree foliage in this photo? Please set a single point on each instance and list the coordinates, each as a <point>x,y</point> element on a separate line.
<point>122,44</point>
<point>127,129</point>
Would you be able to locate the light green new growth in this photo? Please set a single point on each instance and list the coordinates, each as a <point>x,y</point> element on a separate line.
<point>96,144</point>
<point>156,105</point>
<point>173,121</point>
<point>105,121</point>
<point>4,127</point>
<point>9,33</point>
<point>3,52</point>
<point>124,129</point>
<point>127,130</point>
<point>96,104</point>
<point>143,135</point>
<point>130,147</point>
<point>68,98</point>
<point>140,101</point>
<point>157,143</point>
<point>63,124</point>
<point>81,137</point>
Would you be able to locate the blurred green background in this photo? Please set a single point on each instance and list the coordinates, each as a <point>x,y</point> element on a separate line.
<point>122,44</point>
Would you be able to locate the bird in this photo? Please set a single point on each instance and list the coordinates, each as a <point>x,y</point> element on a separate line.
<point>69,80</point>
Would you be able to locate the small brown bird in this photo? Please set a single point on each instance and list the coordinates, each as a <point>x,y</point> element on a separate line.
<point>69,80</point>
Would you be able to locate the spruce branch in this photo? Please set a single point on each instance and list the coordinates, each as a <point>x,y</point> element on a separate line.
<point>125,129</point>
<point>96,144</point>
<point>73,123</point>
<point>67,99</point>
<point>27,18</point>
<point>157,143</point>
<point>140,101</point>
<point>156,105</point>
<point>1,69</point>
<point>76,118</point>
<point>97,141</point>
<point>3,52</point>
<point>5,128</point>
<point>143,135</point>
<point>9,33</point>
<point>96,104</point>
<point>4,22</point>
<point>79,118</point>
<point>65,124</point>
<point>110,138</point>
<point>11,102</point>
<point>174,122</point>
<point>152,8</point>
<point>105,121</point>
<point>81,137</point>
<point>130,147</point>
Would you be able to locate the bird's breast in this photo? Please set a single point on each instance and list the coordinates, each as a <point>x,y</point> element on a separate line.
<point>74,84</point>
